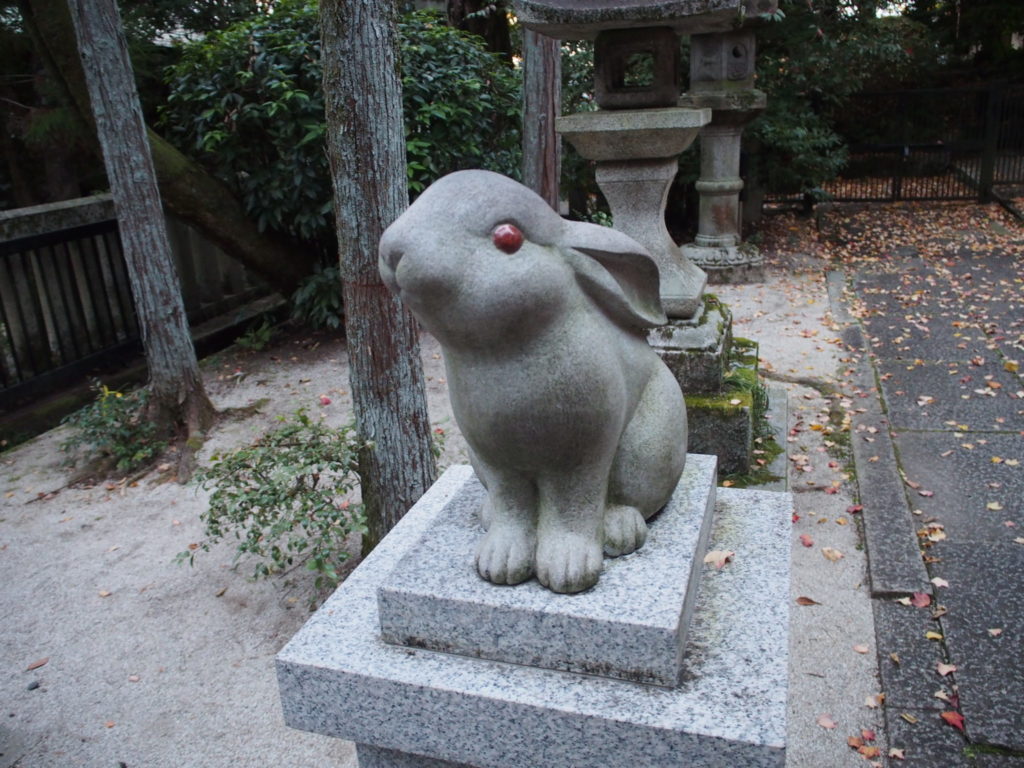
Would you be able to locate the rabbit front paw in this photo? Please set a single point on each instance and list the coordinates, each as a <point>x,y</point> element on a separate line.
<point>624,530</point>
<point>505,554</point>
<point>568,562</point>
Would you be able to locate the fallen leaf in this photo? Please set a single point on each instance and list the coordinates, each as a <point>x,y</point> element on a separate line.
<point>806,601</point>
<point>895,657</point>
<point>903,600</point>
<point>854,509</point>
<point>995,631</point>
<point>932,635</point>
<point>806,540</point>
<point>909,717</point>
<point>105,593</point>
<point>860,648</point>
<point>855,742</point>
<point>867,734</point>
<point>897,754</point>
<point>133,678</point>
<point>719,557</point>
<point>926,494</point>
<point>955,719</point>
<point>109,724</point>
<point>945,669</point>
<point>874,702</point>
<point>942,695</point>
<point>994,506</point>
<point>37,664</point>
<point>869,751</point>
<point>826,721</point>
<point>939,582</point>
<point>921,600</point>
<point>831,554</point>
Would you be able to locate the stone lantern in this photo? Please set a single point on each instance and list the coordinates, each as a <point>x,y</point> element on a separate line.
<point>722,80</point>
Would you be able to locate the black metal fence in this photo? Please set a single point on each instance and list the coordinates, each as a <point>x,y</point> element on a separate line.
<point>931,144</point>
<point>66,305</point>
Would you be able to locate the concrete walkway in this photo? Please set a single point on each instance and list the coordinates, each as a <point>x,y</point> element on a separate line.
<point>938,438</point>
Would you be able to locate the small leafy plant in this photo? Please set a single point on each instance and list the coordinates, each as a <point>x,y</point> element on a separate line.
<point>113,432</point>
<point>317,302</point>
<point>257,337</point>
<point>284,498</point>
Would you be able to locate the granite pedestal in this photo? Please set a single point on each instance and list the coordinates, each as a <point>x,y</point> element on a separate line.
<point>408,707</point>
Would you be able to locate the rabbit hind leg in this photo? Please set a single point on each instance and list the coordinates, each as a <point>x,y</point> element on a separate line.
<point>505,554</point>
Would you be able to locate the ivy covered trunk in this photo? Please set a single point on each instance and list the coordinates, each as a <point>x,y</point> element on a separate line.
<point>177,397</point>
<point>188,190</point>
<point>366,146</point>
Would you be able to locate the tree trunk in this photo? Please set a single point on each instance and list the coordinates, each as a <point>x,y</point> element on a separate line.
<point>366,146</point>
<point>542,103</point>
<point>491,25</point>
<point>177,396</point>
<point>188,190</point>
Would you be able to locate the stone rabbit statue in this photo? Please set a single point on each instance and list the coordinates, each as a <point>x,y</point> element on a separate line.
<point>575,426</point>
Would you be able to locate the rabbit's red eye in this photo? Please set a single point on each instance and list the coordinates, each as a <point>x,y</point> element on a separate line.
<point>507,238</point>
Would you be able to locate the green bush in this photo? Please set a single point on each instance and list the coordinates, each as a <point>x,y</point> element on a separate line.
<point>316,303</point>
<point>113,432</point>
<point>283,499</point>
<point>246,102</point>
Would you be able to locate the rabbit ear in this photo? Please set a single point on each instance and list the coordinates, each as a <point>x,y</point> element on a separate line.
<point>616,272</point>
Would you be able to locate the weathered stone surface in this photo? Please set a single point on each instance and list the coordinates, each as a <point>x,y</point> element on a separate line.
<point>910,682</point>
<point>339,679</point>
<point>927,743</point>
<point>697,352</point>
<point>636,152</point>
<point>575,427</point>
<point>633,134</point>
<point>964,481</point>
<point>624,57</point>
<point>727,265</point>
<point>583,19</point>
<point>894,560</point>
<point>723,427</point>
<point>959,393</point>
<point>986,591</point>
<point>632,625</point>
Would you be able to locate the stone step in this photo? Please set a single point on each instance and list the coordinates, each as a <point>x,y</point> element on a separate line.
<point>338,678</point>
<point>632,625</point>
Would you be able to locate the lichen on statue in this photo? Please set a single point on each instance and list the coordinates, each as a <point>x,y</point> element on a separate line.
<point>575,427</point>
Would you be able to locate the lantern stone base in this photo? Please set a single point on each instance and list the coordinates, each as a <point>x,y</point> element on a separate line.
<point>727,265</point>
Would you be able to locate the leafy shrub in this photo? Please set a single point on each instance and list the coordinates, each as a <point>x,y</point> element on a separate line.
<point>462,103</point>
<point>246,102</point>
<point>283,498</point>
<point>257,336</point>
<point>316,303</point>
<point>113,431</point>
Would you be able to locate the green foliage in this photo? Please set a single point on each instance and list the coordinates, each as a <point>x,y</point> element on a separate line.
<point>463,105</point>
<point>246,103</point>
<point>283,499</point>
<point>114,431</point>
<point>810,62</point>
<point>317,303</point>
<point>257,336</point>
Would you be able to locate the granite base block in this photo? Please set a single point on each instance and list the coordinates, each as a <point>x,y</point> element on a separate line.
<point>632,625</point>
<point>697,352</point>
<point>723,425</point>
<point>338,678</point>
